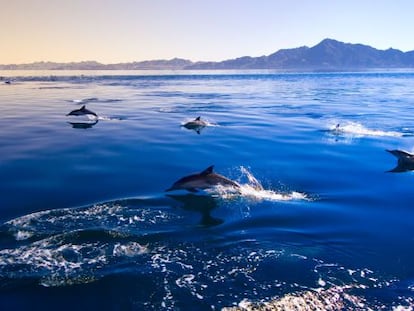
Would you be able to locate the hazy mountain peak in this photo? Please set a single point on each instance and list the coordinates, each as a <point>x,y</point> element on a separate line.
<point>329,54</point>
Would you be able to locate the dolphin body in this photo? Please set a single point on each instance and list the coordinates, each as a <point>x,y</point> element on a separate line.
<point>204,180</point>
<point>82,111</point>
<point>197,125</point>
<point>405,161</point>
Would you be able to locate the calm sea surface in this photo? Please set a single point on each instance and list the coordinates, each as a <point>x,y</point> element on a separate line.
<point>85,223</point>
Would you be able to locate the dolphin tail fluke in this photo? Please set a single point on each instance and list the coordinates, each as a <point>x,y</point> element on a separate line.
<point>398,169</point>
<point>405,161</point>
<point>399,153</point>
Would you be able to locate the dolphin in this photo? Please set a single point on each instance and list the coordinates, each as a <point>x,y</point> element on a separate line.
<point>205,179</point>
<point>337,129</point>
<point>82,111</point>
<point>405,161</point>
<point>197,125</point>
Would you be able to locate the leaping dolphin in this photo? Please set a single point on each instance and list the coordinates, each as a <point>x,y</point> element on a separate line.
<point>204,180</point>
<point>405,161</point>
<point>197,125</point>
<point>82,111</point>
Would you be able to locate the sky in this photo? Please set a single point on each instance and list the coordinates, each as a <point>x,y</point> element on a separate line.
<point>114,31</point>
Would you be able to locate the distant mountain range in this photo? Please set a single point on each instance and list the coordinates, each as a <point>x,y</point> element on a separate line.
<point>329,54</point>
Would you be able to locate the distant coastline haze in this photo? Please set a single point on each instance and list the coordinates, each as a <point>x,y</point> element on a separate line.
<point>329,54</point>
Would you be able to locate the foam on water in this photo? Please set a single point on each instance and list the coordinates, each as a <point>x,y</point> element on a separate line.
<point>270,195</point>
<point>80,253</point>
<point>334,290</point>
<point>102,118</point>
<point>114,215</point>
<point>254,190</point>
<point>94,100</point>
<point>67,246</point>
<point>106,118</point>
<point>332,287</point>
<point>334,298</point>
<point>84,100</point>
<point>357,130</point>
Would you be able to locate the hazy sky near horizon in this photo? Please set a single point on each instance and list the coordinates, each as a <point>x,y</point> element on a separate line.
<point>111,31</point>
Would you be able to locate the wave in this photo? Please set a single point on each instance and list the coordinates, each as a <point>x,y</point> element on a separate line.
<point>68,258</point>
<point>94,100</point>
<point>337,288</point>
<point>120,215</point>
<point>80,245</point>
<point>334,298</point>
<point>84,245</point>
<point>340,297</point>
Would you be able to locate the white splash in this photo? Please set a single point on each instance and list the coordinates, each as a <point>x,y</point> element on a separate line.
<point>21,235</point>
<point>105,118</point>
<point>254,190</point>
<point>402,308</point>
<point>270,195</point>
<point>91,117</point>
<point>85,100</point>
<point>358,130</point>
<point>130,249</point>
<point>333,298</point>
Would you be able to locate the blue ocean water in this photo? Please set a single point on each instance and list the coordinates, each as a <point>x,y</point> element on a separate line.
<point>85,222</point>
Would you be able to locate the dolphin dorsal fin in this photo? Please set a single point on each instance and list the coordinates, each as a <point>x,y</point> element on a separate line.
<point>83,107</point>
<point>197,119</point>
<point>208,170</point>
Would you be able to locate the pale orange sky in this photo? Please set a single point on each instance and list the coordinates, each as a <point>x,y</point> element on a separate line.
<point>111,31</point>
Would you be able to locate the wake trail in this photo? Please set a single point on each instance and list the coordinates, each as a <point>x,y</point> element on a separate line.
<point>359,130</point>
<point>254,190</point>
